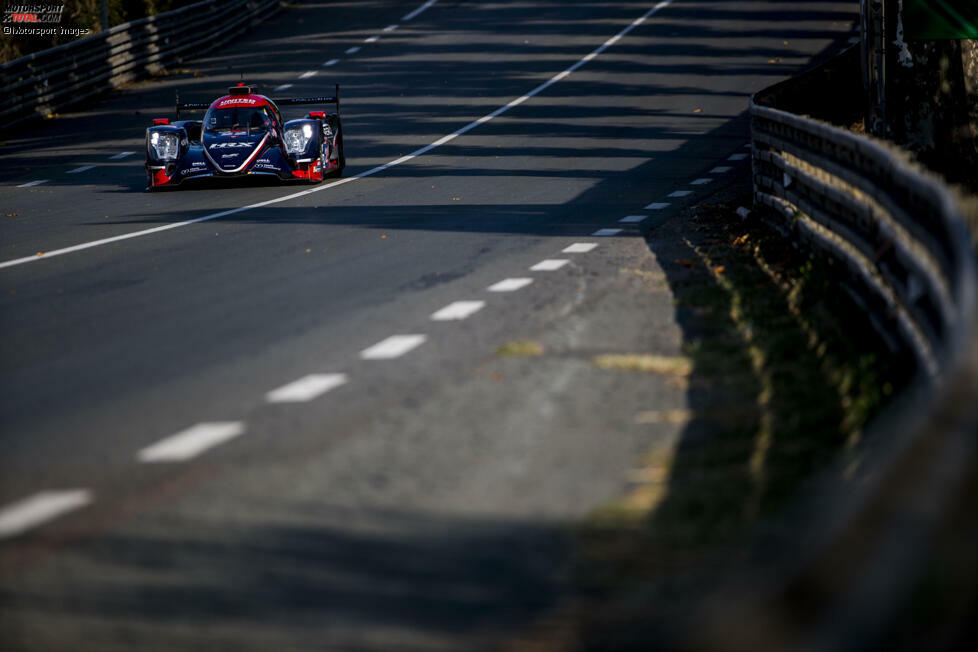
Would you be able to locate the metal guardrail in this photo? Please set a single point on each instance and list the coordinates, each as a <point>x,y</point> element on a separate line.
<point>49,81</point>
<point>901,232</point>
<point>905,244</point>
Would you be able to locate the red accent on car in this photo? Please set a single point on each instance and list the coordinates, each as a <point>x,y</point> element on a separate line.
<point>312,171</point>
<point>161,121</point>
<point>159,178</point>
<point>318,114</point>
<point>240,83</point>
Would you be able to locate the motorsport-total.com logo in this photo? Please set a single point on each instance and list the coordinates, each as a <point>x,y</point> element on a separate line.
<point>37,20</point>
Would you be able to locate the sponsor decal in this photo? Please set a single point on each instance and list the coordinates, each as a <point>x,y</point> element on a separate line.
<point>235,155</point>
<point>199,164</point>
<point>237,100</point>
<point>230,145</point>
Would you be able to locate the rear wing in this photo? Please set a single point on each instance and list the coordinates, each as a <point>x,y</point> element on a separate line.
<point>245,90</point>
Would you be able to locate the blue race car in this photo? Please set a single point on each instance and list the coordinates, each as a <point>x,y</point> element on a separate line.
<point>243,133</point>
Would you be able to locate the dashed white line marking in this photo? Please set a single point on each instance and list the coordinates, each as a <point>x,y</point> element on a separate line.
<point>372,39</point>
<point>606,232</point>
<point>308,74</point>
<point>120,156</point>
<point>391,28</point>
<point>353,50</point>
<point>83,168</point>
<point>40,508</point>
<point>191,442</point>
<point>417,11</point>
<point>701,182</point>
<point>331,62</point>
<point>579,248</point>
<point>720,169</point>
<point>362,175</point>
<point>681,193</point>
<point>510,285</point>
<point>658,206</point>
<point>458,310</point>
<point>393,347</point>
<point>631,219</point>
<point>737,157</point>
<point>33,183</point>
<point>306,388</point>
<point>283,87</point>
<point>549,265</point>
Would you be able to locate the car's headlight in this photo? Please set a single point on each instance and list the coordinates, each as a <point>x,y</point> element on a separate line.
<point>164,145</point>
<point>297,138</point>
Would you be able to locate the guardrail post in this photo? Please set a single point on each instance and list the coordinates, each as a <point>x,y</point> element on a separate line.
<point>873,23</point>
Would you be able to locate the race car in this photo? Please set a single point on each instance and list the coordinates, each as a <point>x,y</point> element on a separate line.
<point>243,133</point>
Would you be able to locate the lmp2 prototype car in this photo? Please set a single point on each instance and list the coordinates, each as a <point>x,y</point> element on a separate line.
<point>242,133</point>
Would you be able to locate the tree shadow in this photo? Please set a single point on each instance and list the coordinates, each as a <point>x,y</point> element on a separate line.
<point>780,388</point>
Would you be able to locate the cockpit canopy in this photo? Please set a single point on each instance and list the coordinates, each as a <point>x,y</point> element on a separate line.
<point>238,118</point>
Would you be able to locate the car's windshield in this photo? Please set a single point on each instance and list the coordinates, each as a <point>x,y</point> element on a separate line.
<point>238,118</point>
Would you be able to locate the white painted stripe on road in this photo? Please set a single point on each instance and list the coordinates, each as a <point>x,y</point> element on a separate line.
<point>606,232</point>
<point>681,193</point>
<point>737,157</point>
<point>308,74</point>
<point>33,183</point>
<point>83,168</point>
<point>658,206</point>
<point>372,171</point>
<point>393,347</point>
<point>191,442</point>
<point>549,265</point>
<point>391,28</point>
<point>417,11</point>
<point>632,219</point>
<point>353,50</point>
<point>720,169</point>
<point>331,62</point>
<point>306,388</point>
<point>40,508</point>
<point>701,181</point>
<point>510,285</point>
<point>458,310</point>
<point>372,39</point>
<point>579,248</point>
<point>120,156</point>
<point>283,87</point>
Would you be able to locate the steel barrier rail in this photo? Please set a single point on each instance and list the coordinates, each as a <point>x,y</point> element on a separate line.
<point>49,81</point>
<point>856,543</point>
<point>903,233</point>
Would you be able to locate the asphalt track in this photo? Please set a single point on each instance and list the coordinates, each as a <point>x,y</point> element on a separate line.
<point>402,497</point>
